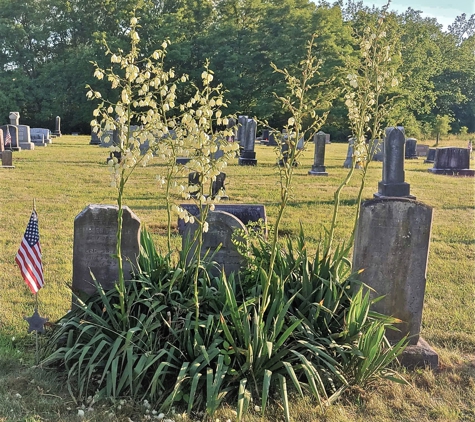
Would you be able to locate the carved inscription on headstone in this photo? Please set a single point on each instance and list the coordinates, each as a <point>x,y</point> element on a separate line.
<point>95,240</point>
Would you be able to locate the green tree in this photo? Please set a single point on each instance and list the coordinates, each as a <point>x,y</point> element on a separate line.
<point>441,126</point>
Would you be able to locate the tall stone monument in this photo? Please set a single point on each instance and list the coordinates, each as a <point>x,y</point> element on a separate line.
<point>248,155</point>
<point>393,184</point>
<point>95,241</point>
<point>241,130</point>
<point>318,168</point>
<point>392,246</point>
<point>57,126</point>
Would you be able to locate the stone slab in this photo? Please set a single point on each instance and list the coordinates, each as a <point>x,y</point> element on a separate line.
<point>392,247</point>
<point>95,240</point>
<point>217,242</point>
<point>420,355</point>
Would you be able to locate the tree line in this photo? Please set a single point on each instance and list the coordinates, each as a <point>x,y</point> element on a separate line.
<point>47,46</point>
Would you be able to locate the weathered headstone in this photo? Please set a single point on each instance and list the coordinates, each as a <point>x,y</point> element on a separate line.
<point>40,136</point>
<point>10,137</point>
<point>349,155</point>
<point>2,145</point>
<point>95,139</point>
<point>410,153</point>
<point>57,126</point>
<point>430,155</point>
<point>221,226</point>
<point>327,138</point>
<point>241,130</point>
<point>24,137</point>
<point>422,150</point>
<point>265,134</point>
<point>95,241</point>
<point>318,168</point>
<point>376,149</point>
<point>7,159</point>
<point>392,246</point>
<point>393,183</point>
<point>247,213</point>
<point>272,141</point>
<point>248,155</point>
<point>452,161</point>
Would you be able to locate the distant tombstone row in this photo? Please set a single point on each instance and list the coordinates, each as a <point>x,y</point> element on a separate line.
<point>391,246</point>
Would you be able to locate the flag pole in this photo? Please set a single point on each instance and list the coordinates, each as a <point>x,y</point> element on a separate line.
<point>36,305</point>
<point>36,332</point>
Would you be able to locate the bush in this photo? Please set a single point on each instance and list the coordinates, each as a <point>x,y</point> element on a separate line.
<point>317,337</point>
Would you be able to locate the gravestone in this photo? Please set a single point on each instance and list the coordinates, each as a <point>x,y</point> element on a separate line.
<point>221,226</point>
<point>241,130</point>
<point>217,187</point>
<point>265,134</point>
<point>7,159</point>
<point>2,146</point>
<point>272,141</point>
<point>376,149</point>
<point>40,135</point>
<point>11,143</point>
<point>24,137</point>
<point>57,126</point>
<point>393,184</point>
<point>422,150</point>
<point>14,117</point>
<point>95,241</point>
<point>248,155</point>
<point>411,145</point>
<point>452,161</point>
<point>392,246</point>
<point>95,139</point>
<point>430,155</point>
<point>246,213</point>
<point>318,168</point>
<point>349,155</point>
<point>327,138</point>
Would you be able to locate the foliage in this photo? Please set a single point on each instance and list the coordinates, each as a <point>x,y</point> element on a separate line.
<point>177,334</point>
<point>46,47</point>
<point>318,337</point>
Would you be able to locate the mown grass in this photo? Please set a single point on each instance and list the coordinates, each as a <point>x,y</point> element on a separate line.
<point>70,174</point>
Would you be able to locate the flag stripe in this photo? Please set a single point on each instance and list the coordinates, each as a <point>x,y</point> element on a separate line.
<point>29,272</point>
<point>28,257</point>
<point>34,265</point>
<point>30,266</point>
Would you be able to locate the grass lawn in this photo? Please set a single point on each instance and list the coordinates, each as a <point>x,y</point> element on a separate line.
<point>69,174</point>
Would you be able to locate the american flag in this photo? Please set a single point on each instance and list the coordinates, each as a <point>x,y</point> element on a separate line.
<point>28,257</point>
<point>8,139</point>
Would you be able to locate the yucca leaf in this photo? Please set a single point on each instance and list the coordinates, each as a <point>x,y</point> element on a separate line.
<point>265,390</point>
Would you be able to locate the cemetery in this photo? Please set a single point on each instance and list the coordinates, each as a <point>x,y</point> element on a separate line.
<point>194,267</point>
<point>64,210</point>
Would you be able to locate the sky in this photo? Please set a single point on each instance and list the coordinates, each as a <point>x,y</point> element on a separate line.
<point>445,11</point>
